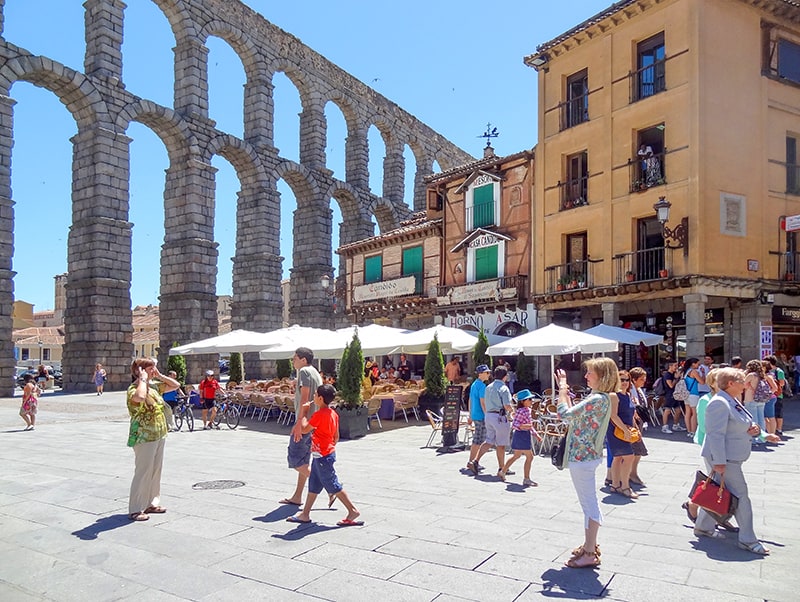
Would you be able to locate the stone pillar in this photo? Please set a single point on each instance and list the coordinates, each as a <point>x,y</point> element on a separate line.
<point>394,164</point>
<point>97,320</point>
<point>357,159</point>
<point>257,300</point>
<point>103,29</point>
<point>420,190</point>
<point>6,244</point>
<point>752,316</point>
<point>695,324</point>
<point>188,300</point>
<point>258,112</point>
<point>2,17</point>
<point>610,314</point>
<point>309,304</point>
<point>313,126</point>
<point>191,77</point>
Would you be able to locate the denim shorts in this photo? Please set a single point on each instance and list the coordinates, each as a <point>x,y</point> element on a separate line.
<point>323,475</point>
<point>299,452</point>
<point>521,441</point>
<point>769,409</point>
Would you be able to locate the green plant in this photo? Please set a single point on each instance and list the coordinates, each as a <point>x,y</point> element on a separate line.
<point>283,368</point>
<point>526,370</point>
<point>351,370</point>
<point>435,381</point>
<point>479,355</point>
<point>178,364</point>
<point>237,367</point>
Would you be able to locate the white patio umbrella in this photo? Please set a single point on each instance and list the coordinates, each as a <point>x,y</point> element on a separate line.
<point>329,344</point>
<point>626,335</point>
<point>244,341</point>
<point>553,340</point>
<point>451,340</point>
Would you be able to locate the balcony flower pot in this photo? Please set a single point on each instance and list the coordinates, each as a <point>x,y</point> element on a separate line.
<point>789,276</point>
<point>629,276</point>
<point>559,287</point>
<point>663,273</point>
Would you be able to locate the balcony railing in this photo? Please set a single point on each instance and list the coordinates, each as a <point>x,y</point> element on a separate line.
<point>573,111</point>
<point>788,265</point>
<point>505,289</point>
<point>639,266</point>
<point>480,216</point>
<point>792,178</point>
<point>648,80</point>
<point>647,172</point>
<point>570,276</point>
<point>574,193</point>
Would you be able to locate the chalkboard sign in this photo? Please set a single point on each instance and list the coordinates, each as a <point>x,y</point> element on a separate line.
<point>451,415</point>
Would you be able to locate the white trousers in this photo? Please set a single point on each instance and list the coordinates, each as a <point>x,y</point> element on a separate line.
<point>735,483</point>
<point>146,484</point>
<point>583,478</point>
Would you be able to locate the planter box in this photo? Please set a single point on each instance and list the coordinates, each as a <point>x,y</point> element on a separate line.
<point>352,423</point>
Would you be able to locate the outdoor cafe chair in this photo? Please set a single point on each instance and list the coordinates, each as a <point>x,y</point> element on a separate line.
<point>373,407</point>
<point>436,426</point>
<point>405,402</point>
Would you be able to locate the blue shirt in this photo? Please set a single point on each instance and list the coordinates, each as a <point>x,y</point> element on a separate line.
<point>497,395</point>
<point>476,391</point>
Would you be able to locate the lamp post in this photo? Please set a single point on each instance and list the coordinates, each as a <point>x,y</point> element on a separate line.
<point>576,320</point>
<point>329,288</point>
<point>41,346</point>
<point>679,234</point>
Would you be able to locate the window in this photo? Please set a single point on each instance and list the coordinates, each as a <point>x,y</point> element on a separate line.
<point>648,164</point>
<point>791,259</point>
<point>486,263</point>
<point>792,169</point>
<point>482,202</point>
<point>574,190</point>
<point>649,259</point>
<point>26,354</point>
<point>576,107</point>
<point>788,61</point>
<point>412,266</point>
<point>373,269</point>
<point>45,355</point>
<point>650,77</point>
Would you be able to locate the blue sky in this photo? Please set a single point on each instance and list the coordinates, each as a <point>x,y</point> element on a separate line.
<point>455,65</point>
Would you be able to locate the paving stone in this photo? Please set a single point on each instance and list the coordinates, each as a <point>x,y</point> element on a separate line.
<point>468,584</point>
<point>344,586</point>
<point>274,570</point>
<point>369,563</point>
<point>437,553</point>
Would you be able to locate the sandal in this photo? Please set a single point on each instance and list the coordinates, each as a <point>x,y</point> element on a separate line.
<point>756,548</point>
<point>627,492</point>
<point>728,527</point>
<point>577,552</point>
<point>138,517</point>
<point>709,534</point>
<point>685,506</point>
<point>155,510</point>
<point>584,561</point>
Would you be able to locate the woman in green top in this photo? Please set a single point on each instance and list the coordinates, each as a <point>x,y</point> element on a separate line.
<point>148,434</point>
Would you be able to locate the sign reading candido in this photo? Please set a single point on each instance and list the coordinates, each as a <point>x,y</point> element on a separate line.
<point>384,289</point>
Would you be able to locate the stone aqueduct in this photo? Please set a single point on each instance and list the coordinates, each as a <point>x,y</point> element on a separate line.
<point>98,312</point>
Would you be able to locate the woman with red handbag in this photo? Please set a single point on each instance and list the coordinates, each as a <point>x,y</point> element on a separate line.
<point>729,427</point>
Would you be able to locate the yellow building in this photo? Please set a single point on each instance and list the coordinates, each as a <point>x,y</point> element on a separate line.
<point>696,102</point>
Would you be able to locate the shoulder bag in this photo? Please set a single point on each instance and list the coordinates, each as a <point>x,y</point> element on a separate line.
<point>557,452</point>
<point>712,497</point>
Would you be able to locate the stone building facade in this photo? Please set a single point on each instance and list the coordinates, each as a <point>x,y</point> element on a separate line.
<point>97,313</point>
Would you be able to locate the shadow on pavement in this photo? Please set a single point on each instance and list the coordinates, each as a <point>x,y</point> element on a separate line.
<point>572,584</point>
<point>107,523</point>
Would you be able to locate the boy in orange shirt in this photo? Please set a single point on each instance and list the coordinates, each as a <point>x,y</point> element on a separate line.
<point>324,428</point>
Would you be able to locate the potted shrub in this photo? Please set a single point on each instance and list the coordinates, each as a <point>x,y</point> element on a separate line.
<point>629,276</point>
<point>435,380</point>
<point>178,364</point>
<point>526,372</point>
<point>351,409</point>
<point>664,273</point>
<point>562,283</point>
<point>789,276</point>
<point>283,368</point>
<point>479,353</point>
<point>237,368</point>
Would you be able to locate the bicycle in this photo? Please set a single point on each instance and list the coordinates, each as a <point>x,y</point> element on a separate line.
<point>228,410</point>
<point>183,412</point>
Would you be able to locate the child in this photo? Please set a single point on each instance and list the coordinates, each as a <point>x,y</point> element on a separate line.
<point>521,443</point>
<point>324,428</point>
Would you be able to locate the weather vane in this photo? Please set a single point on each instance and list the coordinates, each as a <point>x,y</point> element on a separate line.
<point>489,134</point>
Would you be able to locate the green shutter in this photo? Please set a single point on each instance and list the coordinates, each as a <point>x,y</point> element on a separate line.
<point>486,263</point>
<point>373,269</point>
<point>483,206</point>
<point>412,265</point>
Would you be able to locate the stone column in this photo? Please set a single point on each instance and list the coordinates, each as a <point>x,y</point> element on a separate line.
<point>6,244</point>
<point>103,27</point>
<point>752,316</point>
<point>258,112</point>
<point>313,127</point>
<point>695,324</point>
<point>357,159</point>
<point>420,191</point>
<point>610,313</point>
<point>309,304</point>
<point>97,320</point>
<point>2,17</point>
<point>394,164</point>
<point>191,77</point>
<point>188,300</point>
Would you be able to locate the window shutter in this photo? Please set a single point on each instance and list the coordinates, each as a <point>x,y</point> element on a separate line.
<point>373,269</point>
<point>486,263</point>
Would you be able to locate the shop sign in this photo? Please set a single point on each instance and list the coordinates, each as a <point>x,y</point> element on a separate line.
<point>483,240</point>
<point>384,289</point>
<point>766,340</point>
<point>479,291</point>
<point>791,223</point>
<point>786,314</point>
<point>492,322</point>
<point>679,317</point>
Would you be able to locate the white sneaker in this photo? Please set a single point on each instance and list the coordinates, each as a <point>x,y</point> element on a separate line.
<point>678,427</point>
<point>665,429</point>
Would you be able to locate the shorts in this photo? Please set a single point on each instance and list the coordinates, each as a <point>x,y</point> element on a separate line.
<point>693,401</point>
<point>670,403</point>
<point>208,404</point>
<point>323,475</point>
<point>479,434</point>
<point>769,409</point>
<point>779,408</point>
<point>521,441</point>
<point>498,430</point>
<point>299,452</point>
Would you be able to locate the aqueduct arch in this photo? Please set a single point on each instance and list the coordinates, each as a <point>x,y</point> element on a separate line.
<point>98,313</point>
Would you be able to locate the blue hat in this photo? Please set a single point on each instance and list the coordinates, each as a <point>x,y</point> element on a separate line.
<point>524,394</point>
<point>482,368</point>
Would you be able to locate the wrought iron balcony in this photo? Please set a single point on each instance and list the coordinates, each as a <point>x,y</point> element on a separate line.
<point>648,80</point>
<point>647,172</point>
<point>639,266</point>
<point>480,216</point>
<point>570,276</point>
<point>509,289</point>
<point>573,111</point>
<point>788,265</point>
<point>574,193</point>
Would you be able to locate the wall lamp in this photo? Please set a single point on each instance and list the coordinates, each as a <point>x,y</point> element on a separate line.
<point>540,60</point>
<point>650,318</point>
<point>679,234</point>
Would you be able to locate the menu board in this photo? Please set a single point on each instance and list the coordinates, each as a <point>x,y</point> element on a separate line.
<point>451,415</point>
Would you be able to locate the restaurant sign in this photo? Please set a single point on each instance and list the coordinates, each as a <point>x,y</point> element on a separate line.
<point>385,289</point>
<point>478,291</point>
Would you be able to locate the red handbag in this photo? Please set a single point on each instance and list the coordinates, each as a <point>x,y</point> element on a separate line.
<point>712,497</point>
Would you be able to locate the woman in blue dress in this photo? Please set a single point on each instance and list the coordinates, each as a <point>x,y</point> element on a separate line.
<point>622,411</point>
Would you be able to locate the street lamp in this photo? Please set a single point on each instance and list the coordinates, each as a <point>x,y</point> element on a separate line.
<point>330,291</point>
<point>651,319</point>
<point>576,320</point>
<point>679,234</point>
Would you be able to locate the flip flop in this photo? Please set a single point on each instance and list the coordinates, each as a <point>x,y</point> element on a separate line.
<point>289,502</point>
<point>346,522</point>
<point>138,517</point>
<point>155,510</point>
<point>299,521</point>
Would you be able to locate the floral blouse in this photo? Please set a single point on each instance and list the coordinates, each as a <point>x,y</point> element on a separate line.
<point>588,423</point>
<point>152,424</point>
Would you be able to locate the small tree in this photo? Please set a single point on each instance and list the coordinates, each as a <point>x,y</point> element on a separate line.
<point>178,364</point>
<point>479,355</point>
<point>435,381</point>
<point>283,368</point>
<point>526,371</point>
<point>236,367</point>
<point>351,370</point>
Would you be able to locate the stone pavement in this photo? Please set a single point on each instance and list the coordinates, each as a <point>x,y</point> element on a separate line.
<point>432,532</point>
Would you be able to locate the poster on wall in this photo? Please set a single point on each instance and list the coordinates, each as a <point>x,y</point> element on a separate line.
<point>766,340</point>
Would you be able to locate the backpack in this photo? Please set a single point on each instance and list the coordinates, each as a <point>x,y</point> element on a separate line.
<point>681,391</point>
<point>763,392</point>
<point>659,388</point>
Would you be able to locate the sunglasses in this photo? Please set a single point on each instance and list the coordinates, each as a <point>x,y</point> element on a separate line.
<point>625,380</point>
